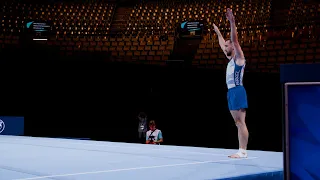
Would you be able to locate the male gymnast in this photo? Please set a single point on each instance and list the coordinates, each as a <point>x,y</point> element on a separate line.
<point>237,96</point>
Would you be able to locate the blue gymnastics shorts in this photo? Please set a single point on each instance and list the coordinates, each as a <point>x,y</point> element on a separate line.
<point>237,98</point>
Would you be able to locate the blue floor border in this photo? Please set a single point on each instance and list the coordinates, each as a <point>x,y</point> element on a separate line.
<point>276,175</point>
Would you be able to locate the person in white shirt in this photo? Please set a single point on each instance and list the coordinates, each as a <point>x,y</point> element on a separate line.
<point>154,135</point>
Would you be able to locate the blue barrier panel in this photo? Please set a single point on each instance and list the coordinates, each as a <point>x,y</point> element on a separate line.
<point>301,107</point>
<point>300,73</point>
<point>10,125</point>
<point>303,130</point>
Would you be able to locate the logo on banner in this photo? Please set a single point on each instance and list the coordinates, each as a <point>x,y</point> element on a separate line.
<point>2,126</point>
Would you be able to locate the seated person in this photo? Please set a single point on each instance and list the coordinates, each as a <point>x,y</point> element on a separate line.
<point>154,135</point>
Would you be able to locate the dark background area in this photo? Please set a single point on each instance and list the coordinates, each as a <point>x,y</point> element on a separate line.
<point>76,97</point>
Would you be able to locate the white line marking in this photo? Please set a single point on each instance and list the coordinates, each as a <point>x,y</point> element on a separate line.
<point>187,152</point>
<point>126,147</point>
<point>129,169</point>
<point>40,39</point>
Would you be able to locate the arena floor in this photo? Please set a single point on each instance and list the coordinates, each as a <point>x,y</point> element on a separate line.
<point>30,158</point>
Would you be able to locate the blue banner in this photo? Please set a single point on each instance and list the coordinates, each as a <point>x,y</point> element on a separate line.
<point>303,127</point>
<point>299,73</point>
<point>10,125</point>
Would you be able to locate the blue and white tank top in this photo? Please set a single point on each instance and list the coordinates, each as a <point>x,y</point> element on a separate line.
<point>234,74</point>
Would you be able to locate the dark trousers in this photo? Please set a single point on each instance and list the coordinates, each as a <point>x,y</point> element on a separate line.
<point>142,137</point>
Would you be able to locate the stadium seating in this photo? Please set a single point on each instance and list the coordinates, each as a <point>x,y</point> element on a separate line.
<point>303,12</point>
<point>147,32</point>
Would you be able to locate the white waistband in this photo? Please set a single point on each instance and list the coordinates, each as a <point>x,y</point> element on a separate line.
<point>231,86</point>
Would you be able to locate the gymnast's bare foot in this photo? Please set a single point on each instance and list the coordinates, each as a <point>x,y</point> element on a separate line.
<point>239,155</point>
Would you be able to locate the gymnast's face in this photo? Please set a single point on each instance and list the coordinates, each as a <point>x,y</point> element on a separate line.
<point>228,48</point>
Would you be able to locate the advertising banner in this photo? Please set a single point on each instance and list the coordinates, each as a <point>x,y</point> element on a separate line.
<point>11,125</point>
